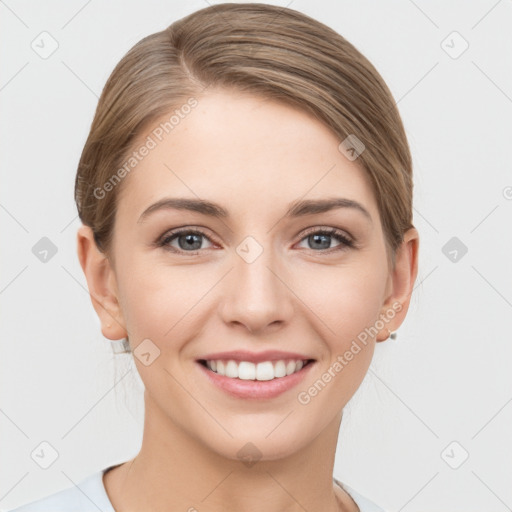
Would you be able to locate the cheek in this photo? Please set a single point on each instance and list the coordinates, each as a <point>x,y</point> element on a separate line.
<point>145,299</point>
<point>359,305</point>
<point>346,300</point>
<point>160,301</point>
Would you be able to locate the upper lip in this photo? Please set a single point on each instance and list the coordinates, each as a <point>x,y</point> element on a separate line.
<point>254,357</point>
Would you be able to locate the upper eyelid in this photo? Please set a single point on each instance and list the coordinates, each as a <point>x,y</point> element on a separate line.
<point>333,230</point>
<point>178,231</point>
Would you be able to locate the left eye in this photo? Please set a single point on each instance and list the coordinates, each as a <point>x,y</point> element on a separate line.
<point>321,239</point>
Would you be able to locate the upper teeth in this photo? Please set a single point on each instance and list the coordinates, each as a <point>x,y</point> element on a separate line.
<point>266,370</point>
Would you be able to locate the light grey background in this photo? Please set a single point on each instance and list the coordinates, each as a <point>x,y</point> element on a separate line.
<point>445,379</point>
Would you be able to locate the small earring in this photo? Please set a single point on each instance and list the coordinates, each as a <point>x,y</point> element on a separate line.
<point>391,335</point>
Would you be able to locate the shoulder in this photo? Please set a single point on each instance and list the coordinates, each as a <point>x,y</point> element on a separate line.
<point>364,504</point>
<point>88,495</point>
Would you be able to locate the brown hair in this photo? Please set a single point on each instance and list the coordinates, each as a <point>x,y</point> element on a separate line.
<point>276,53</point>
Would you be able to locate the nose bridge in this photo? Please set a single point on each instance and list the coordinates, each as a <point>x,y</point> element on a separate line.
<point>256,296</point>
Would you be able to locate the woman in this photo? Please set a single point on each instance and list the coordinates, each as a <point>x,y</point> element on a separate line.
<point>246,199</point>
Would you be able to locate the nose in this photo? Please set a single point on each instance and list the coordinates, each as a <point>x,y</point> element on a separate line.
<point>256,295</point>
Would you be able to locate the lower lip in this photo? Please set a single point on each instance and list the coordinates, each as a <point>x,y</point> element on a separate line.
<point>257,389</point>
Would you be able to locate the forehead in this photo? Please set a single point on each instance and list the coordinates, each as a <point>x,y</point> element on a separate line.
<point>244,151</point>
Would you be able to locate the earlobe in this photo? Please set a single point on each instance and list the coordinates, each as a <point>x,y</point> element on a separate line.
<point>389,334</point>
<point>101,282</point>
<point>402,279</point>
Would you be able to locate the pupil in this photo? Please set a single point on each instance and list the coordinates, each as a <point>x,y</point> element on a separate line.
<point>325,239</point>
<point>190,241</point>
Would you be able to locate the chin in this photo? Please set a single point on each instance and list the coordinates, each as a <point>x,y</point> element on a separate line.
<point>250,449</point>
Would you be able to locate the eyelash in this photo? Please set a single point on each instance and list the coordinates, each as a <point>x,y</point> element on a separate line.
<point>346,243</point>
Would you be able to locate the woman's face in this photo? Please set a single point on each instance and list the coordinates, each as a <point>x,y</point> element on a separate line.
<point>259,277</point>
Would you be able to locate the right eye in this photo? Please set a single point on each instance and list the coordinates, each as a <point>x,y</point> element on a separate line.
<point>189,240</point>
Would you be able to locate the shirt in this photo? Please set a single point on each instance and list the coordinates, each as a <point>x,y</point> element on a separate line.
<point>91,496</point>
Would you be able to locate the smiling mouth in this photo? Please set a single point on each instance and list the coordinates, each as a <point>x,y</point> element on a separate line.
<point>262,371</point>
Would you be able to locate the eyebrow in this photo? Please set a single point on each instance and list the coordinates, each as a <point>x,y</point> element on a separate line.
<point>298,208</point>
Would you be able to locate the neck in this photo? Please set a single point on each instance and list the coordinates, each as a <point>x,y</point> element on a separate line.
<point>176,471</point>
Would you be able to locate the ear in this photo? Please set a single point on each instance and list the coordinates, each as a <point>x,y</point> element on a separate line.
<point>400,283</point>
<point>101,281</point>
